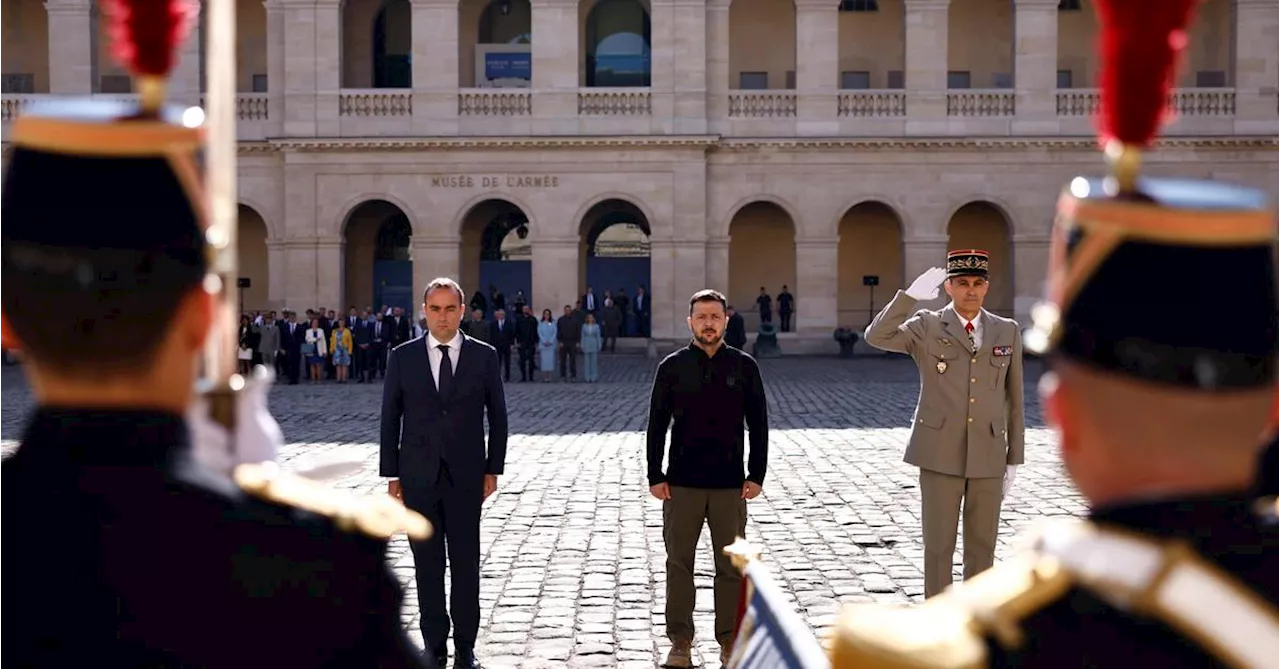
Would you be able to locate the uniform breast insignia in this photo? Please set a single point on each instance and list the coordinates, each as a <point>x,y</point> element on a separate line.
<point>950,630</point>
<point>941,366</point>
<point>1002,351</point>
<point>378,516</point>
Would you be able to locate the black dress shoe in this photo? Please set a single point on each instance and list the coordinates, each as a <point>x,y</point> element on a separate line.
<point>466,661</point>
<point>442,657</point>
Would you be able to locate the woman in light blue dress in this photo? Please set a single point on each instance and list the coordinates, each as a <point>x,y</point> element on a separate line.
<point>591,343</point>
<point>546,345</point>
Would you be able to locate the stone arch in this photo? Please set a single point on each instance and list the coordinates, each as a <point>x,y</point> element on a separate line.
<point>252,233</point>
<point>781,202</point>
<point>996,203</point>
<point>982,224</point>
<point>613,260</point>
<point>340,225</point>
<point>632,200</point>
<point>495,251</point>
<point>871,234</point>
<point>460,218</point>
<point>377,261</point>
<point>832,226</point>
<point>629,49</point>
<point>501,30</point>
<point>257,207</point>
<point>762,253</point>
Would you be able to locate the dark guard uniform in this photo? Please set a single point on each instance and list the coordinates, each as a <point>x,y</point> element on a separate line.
<point>1185,579</point>
<point>121,551</point>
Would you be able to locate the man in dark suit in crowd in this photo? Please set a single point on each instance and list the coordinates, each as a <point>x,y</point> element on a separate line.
<point>291,335</point>
<point>438,391</point>
<point>735,330</point>
<point>502,334</point>
<point>527,340</point>
<point>362,358</point>
<point>643,311</point>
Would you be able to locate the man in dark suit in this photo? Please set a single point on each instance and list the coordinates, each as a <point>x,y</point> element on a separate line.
<point>735,330</point>
<point>380,336</point>
<point>291,335</point>
<point>149,543</point>
<point>439,390</point>
<point>527,341</point>
<point>502,334</point>
<point>362,357</point>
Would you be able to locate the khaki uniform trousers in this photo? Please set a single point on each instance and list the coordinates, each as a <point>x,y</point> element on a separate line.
<point>941,496</point>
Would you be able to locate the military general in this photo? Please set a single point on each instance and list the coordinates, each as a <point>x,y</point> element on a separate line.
<point>967,432</point>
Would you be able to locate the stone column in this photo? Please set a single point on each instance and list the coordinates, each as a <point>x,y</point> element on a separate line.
<point>665,30</point>
<point>329,272</point>
<point>690,66</point>
<point>186,82</point>
<point>1030,269</point>
<point>556,63</point>
<point>276,18</point>
<point>718,264</point>
<point>72,40</point>
<point>433,256</point>
<point>300,284</point>
<point>277,262</point>
<point>311,72</point>
<point>926,66</point>
<point>1255,67</point>
<point>1035,67</point>
<point>435,67</point>
<point>919,254</point>
<point>817,67</point>
<point>664,286</point>
<point>328,64</point>
<point>817,269</point>
<point>718,75</point>
<point>555,270</point>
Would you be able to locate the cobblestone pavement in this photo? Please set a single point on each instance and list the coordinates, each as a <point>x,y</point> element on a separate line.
<point>573,559</point>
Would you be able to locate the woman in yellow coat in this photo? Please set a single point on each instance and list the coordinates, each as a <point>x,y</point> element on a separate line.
<point>341,345</point>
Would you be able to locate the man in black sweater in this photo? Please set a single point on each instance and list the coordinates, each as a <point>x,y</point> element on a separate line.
<point>710,389</point>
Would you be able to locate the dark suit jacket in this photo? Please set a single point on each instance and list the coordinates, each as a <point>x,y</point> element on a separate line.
<point>135,516</point>
<point>420,428</point>
<point>527,331</point>
<point>292,342</point>
<point>503,336</point>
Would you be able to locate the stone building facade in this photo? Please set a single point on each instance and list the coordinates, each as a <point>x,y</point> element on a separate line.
<point>737,144</point>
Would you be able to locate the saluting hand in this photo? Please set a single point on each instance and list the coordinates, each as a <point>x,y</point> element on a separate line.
<point>750,490</point>
<point>925,287</point>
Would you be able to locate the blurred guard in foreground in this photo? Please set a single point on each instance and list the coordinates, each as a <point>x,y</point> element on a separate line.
<point>122,551</point>
<point>1159,411</point>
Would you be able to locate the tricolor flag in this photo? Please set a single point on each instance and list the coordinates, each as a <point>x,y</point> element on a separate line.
<point>771,635</point>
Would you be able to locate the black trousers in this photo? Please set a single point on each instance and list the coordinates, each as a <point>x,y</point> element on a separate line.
<point>454,513</point>
<point>526,363</point>
<point>785,317</point>
<point>568,355</point>
<point>504,359</point>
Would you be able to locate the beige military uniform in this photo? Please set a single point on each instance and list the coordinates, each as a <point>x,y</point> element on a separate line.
<point>967,427</point>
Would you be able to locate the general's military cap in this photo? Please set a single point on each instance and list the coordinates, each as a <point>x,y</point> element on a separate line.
<point>107,194</point>
<point>968,262</point>
<point>1164,280</point>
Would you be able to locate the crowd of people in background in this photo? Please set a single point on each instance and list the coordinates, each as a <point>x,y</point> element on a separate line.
<point>321,346</point>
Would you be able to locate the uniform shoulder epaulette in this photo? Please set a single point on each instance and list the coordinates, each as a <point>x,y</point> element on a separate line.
<point>1168,581</point>
<point>378,516</point>
<point>950,630</point>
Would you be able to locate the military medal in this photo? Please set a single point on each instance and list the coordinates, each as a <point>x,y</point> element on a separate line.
<point>942,366</point>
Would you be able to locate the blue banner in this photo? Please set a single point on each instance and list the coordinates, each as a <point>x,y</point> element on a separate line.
<point>508,65</point>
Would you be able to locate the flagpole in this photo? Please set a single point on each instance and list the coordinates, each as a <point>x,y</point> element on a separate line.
<point>220,177</point>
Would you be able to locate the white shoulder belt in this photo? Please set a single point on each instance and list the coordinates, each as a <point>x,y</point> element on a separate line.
<point>1169,582</point>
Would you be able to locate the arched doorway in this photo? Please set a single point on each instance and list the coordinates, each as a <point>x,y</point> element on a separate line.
<point>614,251</point>
<point>616,44</point>
<point>869,263</point>
<point>496,251</point>
<point>393,45</point>
<point>251,248</point>
<point>762,254</point>
<point>378,266</point>
<point>980,225</point>
<point>495,45</point>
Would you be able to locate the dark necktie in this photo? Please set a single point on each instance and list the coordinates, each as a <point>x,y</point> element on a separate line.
<point>446,371</point>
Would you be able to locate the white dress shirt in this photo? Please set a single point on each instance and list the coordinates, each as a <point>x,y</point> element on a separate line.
<point>435,355</point>
<point>977,328</point>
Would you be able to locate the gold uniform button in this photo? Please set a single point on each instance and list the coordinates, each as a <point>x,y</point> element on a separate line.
<point>972,400</point>
<point>973,360</point>
<point>972,380</point>
<point>970,420</point>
